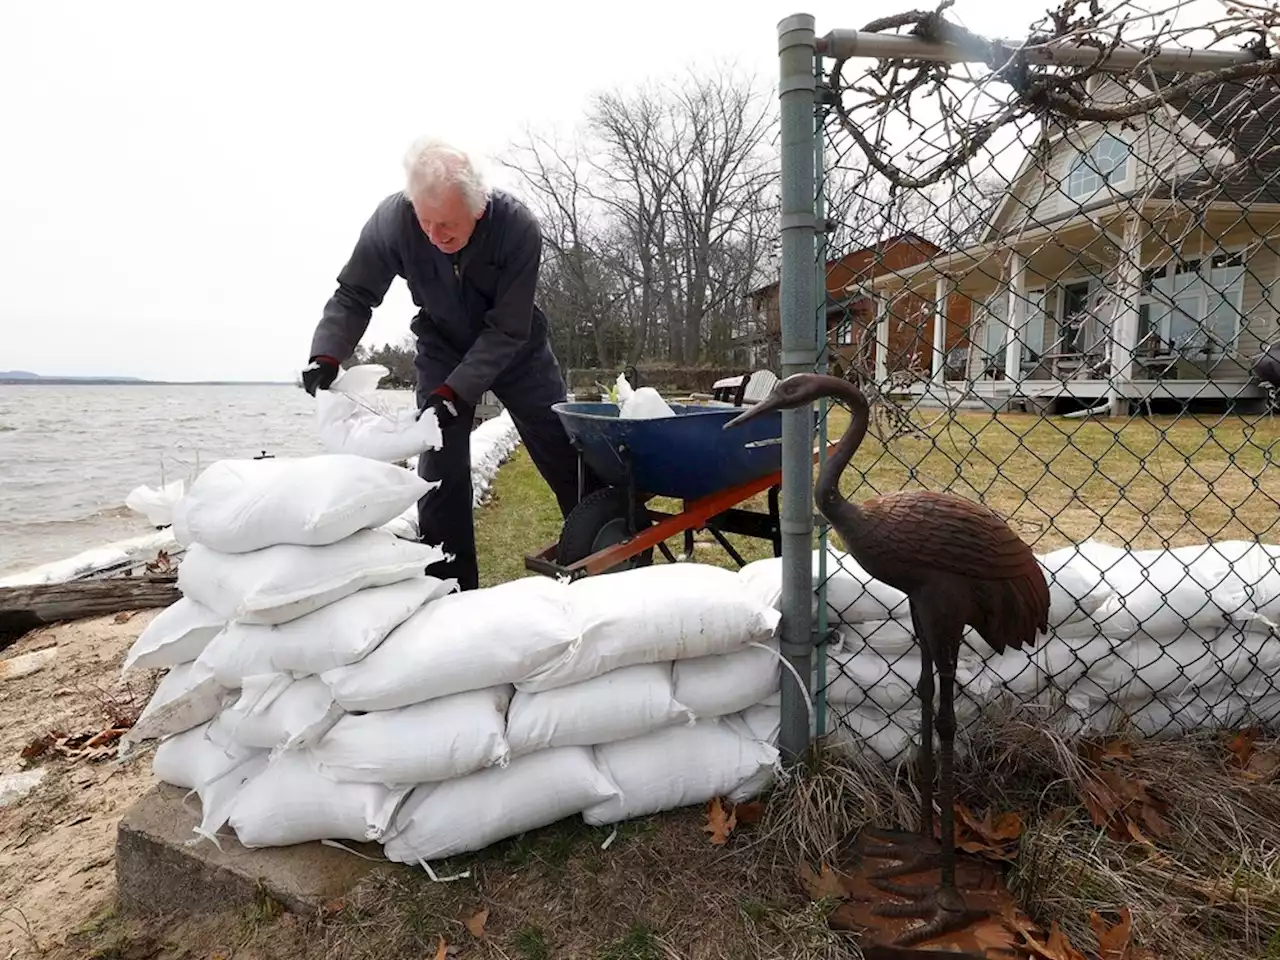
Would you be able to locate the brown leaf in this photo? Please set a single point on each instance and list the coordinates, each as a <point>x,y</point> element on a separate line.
<point>125,616</point>
<point>821,885</point>
<point>333,908</point>
<point>993,837</point>
<point>749,813</point>
<point>442,951</point>
<point>1058,947</point>
<point>1113,942</point>
<point>476,922</point>
<point>1241,745</point>
<point>719,824</point>
<point>994,934</point>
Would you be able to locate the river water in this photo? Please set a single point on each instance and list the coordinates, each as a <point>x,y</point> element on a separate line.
<point>69,455</point>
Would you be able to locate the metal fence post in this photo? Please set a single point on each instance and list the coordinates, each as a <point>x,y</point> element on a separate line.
<point>796,52</point>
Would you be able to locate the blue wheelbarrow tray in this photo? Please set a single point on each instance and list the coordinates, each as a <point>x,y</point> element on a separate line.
<point>684,457</point>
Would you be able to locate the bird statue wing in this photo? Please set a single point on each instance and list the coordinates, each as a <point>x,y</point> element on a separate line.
<point>952,534</point>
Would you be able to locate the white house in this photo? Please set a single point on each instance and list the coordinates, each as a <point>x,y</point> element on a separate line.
<point>1129,260</point>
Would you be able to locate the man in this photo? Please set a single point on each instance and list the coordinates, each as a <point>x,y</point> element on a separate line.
<point>470,256</point>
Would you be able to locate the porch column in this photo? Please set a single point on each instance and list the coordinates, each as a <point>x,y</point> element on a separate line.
<point>882,340</point>
<point>1017,314</point>
<point>941,291</point>
<point>1124,318</point>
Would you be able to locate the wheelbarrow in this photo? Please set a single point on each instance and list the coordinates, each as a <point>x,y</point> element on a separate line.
<point>688,457</point>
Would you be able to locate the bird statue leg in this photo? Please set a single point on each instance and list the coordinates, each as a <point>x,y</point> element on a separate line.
<point>925,858</point>
<point>943,909</point>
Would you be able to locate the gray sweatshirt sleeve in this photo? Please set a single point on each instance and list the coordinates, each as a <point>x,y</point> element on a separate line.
<point>507,324</point>
<point>362,283</point>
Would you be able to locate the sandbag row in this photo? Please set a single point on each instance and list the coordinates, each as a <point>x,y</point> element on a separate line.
<point>323,687</point>
<point>1167,641</point>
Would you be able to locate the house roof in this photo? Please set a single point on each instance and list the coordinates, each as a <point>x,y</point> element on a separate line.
<point>908,236</point>
<point>1243,115</point>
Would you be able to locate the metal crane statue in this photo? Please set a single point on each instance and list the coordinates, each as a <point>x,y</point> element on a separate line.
<point>959,565</point>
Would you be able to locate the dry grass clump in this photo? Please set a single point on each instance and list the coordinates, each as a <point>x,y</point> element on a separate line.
<point>1183,833</point>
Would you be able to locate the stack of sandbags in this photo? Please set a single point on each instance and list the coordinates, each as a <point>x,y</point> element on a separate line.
<point>537,700</point>
<point>285,574</point>
<point>324,688</point>
<point>1166,640</point>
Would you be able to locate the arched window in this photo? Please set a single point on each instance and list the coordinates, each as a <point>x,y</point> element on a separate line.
<point>1106,162</point>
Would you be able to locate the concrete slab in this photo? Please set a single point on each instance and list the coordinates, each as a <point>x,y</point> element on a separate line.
<point>157,872</point>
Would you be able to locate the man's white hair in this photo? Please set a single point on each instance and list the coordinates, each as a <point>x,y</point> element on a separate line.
<point>432,166</point>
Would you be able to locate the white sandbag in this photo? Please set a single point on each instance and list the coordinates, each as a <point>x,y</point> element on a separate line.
<point>156,503</point>
<point>654,614</point>
<point>187,697</point>
<point>338,634</point>
<point>763,722</point>
<point>284,582</point>
<point>190,760</point>
<point>728,682</point>
<point>677,767</point>
<point>275,710</point>
<point>1165,591</point>
<point>470,813</point>
<point>236,506</point>
<point>852,594</point>
<point>464,641</point>
<point>614,706</point>
<point>435,740</point>
<point>290,802</point>
<point>177,634</point>
<point>1250,593</point>
<point>644,403</point>
<point>1077,586</point>
<point>352,419</point>
<point>230,659</point>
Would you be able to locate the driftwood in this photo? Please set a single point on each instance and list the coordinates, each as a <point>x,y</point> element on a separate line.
<point>27,607</point>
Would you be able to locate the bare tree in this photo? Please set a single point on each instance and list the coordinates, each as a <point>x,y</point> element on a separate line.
<point>661,215</point>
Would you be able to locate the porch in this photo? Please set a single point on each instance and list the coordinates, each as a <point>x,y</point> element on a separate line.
<point>1130,307</point>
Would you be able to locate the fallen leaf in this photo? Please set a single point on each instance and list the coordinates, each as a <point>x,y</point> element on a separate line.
<point>823,884</point>
<point>476,922</point>
<point>1124,808</point>
<point>1241,745</point>
<point>333,908</point>
<point>719,824</point>
<point>749,813</point>
<point>1058,947</point>
<point>994,934</point>
<point>442,951</point>
<point>125,616</point>
<point>993,837</point>
<point>1116,942</point>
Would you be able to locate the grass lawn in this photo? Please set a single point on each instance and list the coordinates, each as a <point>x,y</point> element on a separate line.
<point>1145,482</point>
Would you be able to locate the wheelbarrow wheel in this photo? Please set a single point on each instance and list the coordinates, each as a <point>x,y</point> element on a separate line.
<point>599,521</point>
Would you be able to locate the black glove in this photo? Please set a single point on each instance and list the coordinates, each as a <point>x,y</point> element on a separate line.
<point>442,401</point>
<point>319,374</point>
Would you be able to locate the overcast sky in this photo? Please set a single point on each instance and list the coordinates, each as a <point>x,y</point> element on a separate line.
<point>180,182</point>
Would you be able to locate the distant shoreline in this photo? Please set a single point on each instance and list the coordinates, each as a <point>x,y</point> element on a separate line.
<point>108,382</point>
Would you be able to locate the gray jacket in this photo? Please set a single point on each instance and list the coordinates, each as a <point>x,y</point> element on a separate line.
<point>479,310</point>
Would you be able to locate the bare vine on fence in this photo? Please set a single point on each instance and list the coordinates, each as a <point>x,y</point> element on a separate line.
<point>1055,93</point>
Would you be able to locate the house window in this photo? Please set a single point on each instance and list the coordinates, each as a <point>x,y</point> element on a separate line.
<point>842,334</point>
<point>1192,307</point>
<point>1107,161</point>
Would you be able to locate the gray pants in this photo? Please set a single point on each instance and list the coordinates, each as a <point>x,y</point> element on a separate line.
<point>527,389</point>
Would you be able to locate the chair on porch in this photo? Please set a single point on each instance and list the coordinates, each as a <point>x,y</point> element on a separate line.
<point>744,389</point>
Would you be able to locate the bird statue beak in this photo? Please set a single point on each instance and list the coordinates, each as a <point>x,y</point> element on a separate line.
<point>758,410</point>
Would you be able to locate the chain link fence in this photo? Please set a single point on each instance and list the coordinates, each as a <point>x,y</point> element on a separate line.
<point>1054,277</point>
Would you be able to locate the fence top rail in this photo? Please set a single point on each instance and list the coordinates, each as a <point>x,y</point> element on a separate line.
<point>841,44</point>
